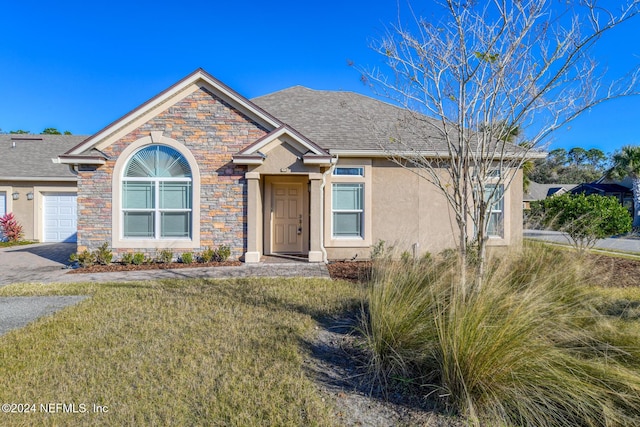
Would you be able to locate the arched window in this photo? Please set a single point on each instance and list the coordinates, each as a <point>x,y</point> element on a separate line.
<point>157,195</point>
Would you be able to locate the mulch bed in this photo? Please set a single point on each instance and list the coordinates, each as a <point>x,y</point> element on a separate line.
<point>608,271</point>
<point>153,266</point>
<point>352,271</point>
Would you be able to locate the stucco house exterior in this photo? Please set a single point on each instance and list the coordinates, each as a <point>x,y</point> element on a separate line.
<point>40,193</point>
<point>297,172</point>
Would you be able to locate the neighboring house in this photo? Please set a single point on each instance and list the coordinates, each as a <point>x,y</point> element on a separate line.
<point>621,190</point>
<point>294,172</point>
<point>40,193</point>
<point>538,191</point>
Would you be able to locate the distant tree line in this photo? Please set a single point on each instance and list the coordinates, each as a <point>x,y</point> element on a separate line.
<point>574,166</point>
<point>46,131</point>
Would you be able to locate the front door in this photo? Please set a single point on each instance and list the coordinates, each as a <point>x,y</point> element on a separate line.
<point>287,217</point>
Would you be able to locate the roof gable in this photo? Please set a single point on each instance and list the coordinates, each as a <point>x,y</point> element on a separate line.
<point>196,80</point>
<point>256,152</point>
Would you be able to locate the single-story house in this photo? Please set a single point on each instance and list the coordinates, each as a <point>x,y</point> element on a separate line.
<point>296,172</point>
<point>537,191</point>
<point>40,193</point>
<point>621,190</point>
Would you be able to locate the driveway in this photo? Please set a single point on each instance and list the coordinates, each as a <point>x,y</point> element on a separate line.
<point>616,244</point>
<point>42,262</point>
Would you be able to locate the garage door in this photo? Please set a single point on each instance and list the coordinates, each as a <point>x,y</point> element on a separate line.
<point>60,217</point>
<point>3,207</point>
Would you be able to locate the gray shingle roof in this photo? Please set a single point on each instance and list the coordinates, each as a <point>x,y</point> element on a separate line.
<point>542,191</point>
<point>32,154</point>
<point>347,120</point>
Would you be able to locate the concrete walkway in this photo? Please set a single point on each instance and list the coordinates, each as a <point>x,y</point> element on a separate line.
<point>46,263</point>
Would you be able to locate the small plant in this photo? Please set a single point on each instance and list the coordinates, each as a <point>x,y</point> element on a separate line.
<point>84,258</point>
<point>378,250</point>
<point>166,256</point>
<point>187,258</point>
<point>11,228</point>
<point>426,258</point>
<point>222,253</point>
<point>138,258</point>
<point>126,258</point>
<point>207,255</point>
<point>406,257</point>
<point>103,254</point>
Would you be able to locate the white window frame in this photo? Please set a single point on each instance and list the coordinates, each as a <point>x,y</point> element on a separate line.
<point>358,211</point>
<point>365,240</point>
<point>156,209</point>
<point>359,169</point>
<point>494,211</point>
<point>117,239</point>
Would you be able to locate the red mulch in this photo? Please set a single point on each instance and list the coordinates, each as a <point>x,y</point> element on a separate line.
<point>153,266</point>
<point>352,271</point>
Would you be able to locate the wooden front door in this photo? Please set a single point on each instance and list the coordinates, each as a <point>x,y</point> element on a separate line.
<point>287,218</point>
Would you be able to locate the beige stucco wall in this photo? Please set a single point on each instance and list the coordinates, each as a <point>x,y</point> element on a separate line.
<point>410,213</point>
<point>29,212</point>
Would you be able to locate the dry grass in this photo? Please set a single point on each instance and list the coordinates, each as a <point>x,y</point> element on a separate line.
<point>534,346</point>
<point>173,353</point>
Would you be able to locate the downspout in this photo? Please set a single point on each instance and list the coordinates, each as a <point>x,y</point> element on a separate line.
<point>324,181</point>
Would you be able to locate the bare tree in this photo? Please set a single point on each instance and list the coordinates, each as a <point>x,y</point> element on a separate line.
<point>478,74</point>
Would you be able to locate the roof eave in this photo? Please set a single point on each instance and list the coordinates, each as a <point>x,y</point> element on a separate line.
<point>80,160</point>
<point>247,160</point>
<point>39,178</point>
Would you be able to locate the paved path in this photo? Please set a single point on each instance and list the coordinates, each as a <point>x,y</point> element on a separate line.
<point>45,263</point>
<point>617,244</point>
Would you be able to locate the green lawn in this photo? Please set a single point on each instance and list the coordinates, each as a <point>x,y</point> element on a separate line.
<point>197,352</point>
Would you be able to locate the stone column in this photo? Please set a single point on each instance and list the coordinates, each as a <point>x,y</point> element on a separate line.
<point>254,218</point>
<point>315,217</point>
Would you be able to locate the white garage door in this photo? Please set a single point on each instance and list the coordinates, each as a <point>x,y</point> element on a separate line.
<point>60,217</point>
<point>3,206</point>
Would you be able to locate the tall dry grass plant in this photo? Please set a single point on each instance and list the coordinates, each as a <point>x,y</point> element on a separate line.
<point>528,348</point>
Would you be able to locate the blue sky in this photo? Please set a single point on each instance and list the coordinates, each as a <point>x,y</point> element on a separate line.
<point>79,65</point>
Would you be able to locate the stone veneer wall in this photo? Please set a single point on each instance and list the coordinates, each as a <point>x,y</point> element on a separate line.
<point>213,131</point>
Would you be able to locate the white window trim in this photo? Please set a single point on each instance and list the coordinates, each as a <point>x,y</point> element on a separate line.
<point>349,242</point>
<point>493,210</point>
<point>505,239</point>
<point>157,210</point>
<point>117,235</point>
<point>361,175</point>
<point>360,211</point>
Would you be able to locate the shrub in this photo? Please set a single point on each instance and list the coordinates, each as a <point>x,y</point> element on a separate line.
<point>11,228</point>
<point>207,255</point>
<point>222,253</point>
<point>103,254</point>
<point>84,258</point>
<point>138,258</point>
<point>186,258</point>
<point>166,256</point>
<point>126,258</point>
<point>585,219</point>
<point>525,349</point>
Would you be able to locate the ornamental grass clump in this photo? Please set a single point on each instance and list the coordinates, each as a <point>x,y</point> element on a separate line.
<point>525,349</point>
